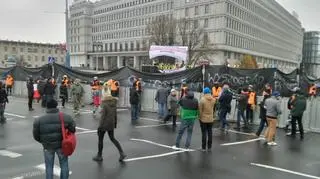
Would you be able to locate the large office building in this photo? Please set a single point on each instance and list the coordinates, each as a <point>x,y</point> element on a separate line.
<point>311,53</point>
<point>29,54</point>
<point>110,34</point>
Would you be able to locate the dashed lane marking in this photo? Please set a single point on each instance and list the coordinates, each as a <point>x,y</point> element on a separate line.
<point>241,142</point>
<point>161,145</point>
<point>84,129</point>
<point>86,132</point>
<point>158,125</point>
<point>10,154</point>
<point>15,115</point>
<point>153,156</point>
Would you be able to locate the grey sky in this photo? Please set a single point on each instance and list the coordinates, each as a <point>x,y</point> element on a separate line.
<point>28,20</point>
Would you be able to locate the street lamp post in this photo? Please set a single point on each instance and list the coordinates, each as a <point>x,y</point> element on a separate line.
<point>67,62</point>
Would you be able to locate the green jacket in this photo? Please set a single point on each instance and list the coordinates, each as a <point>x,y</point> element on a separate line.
<point>299,105</point>
<point>189,107</point>
<point>189,114</point>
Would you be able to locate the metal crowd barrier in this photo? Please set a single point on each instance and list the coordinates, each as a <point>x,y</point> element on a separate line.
<point>310,118</point>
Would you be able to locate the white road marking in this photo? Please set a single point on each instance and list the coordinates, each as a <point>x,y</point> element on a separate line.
<point>84,129</point>
<point>90,112</point>
<point>30,174</point>
<point>241,142</point>
<point>86,132</point>
<point>15,115</point>
<point>244,133</point>
<point>149,119</point>
<point>9,154</point>
<point>285,170</point>
<point>158,125</point>
<point>161,145</point>
<point>10,119</point>
<point>153,156</point>
<point>18,177</point>
<point>56,169</point>
<point>36,116</point>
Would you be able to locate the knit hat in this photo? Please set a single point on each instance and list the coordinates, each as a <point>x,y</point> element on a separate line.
<point>206,90</point>
<point>52,104</point>
<point>276,93</point>
<point>173,90</point>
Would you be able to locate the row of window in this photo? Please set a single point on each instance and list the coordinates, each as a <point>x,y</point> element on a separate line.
<point>120,6</point>
<point>133,13</point>
<point>32,50</point>
<point>77,14</point>
<point>238,41</point>
<point>35,58</point>
<point>74,22</point>
<point>75,39</point>
<point>196,10</point>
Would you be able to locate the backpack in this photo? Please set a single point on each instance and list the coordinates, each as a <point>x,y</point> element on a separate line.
<point>69,140</point>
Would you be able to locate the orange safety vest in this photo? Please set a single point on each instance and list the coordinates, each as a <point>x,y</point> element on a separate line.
<point>313,90</point>
<point>114,85</point>
<point>216,91</point>
<point>65,82</point>
<point>9,81</point>
<point>252,98</point>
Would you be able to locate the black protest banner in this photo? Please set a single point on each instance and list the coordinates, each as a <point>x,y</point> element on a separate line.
<point>284,83</point>
<point>239,78</point>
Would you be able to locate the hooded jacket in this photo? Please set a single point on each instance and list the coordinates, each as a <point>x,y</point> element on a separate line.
<point>206,108</point>
<point>299,105</point>
<point>272,106</point>
<point>172,104</point>
<point>189,107</point>
<point>108,121</point>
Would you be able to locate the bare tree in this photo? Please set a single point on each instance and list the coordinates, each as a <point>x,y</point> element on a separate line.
<point>161,31</point>
<point>195,38</point>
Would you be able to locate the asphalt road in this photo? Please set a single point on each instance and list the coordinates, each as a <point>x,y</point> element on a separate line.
<point>148,146</point>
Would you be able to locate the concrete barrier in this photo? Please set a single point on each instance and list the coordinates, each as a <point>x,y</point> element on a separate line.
<point>310,118</point>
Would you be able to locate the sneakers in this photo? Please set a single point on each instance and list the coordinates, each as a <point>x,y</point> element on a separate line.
<point>97,158</point>
<point>175,148</point>
<point>272,143</point>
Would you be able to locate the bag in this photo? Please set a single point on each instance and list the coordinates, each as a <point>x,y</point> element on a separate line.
<point>69,141</point>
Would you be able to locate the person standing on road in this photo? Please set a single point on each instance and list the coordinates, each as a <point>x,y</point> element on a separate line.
<point>225,100</point>
<point>134,102</point>
<point>77,93</point>
<point>273,109</point>
<point>47,131</point>
<point>49,90</point>
<point>172,105</point>
<point>188,113</point>
<point>3,101</point>
<point>30,93</point>
<point>161,99</point>
<point>298,106</point>
<point>9,84</point>
<point>65,84</point>
<point>206,116</point>
<point>242,105</point>
<point>263,113</point>
<point>108,123</point>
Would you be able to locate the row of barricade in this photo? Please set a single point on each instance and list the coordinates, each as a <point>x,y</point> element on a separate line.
<point>310,118</point>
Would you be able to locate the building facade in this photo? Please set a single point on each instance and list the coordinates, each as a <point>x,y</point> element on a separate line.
<point>29,54</point>
<point>110,34</point>
<point>311,53</point>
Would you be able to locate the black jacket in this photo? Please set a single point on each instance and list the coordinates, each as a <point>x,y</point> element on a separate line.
<point>225,100</point>
<point>47,129</point>
<point>108,121</point>
<point>30,88</point>
<point>263,111</point>
<point>134,96</point>
<point>242,102</point>
<point>48,89</point>
<point>299,105</point>
<point>3,96</point>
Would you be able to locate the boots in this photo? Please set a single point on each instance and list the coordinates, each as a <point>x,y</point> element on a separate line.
<point>98,158</point>
<point>122,157</point>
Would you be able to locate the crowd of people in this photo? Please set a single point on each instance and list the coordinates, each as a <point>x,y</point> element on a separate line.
<point>213,105</point>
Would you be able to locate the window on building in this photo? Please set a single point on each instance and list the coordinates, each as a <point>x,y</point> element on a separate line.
<point>195,24</point>
<point>21,57</point>
<point>126,47</point>
<point>5,57</point>
<point>43,58</point>
<point>116,46</point>
<point>29,58</point>
<point>55,51</point>
<point>5,48</point>
<point>138,46</point>
<point>205,38</point>
<point>206,9</point>
<point>196,10</point>
<point>49,51</point>
<point>21,49</point>
<point>120,47</point>
<point>186,12</point>
<point>62,59</point>
<point>110,47</point>
<point>36,58</point>
<point>206,23</point>
<point>14,49</point>
<point>131,46</point>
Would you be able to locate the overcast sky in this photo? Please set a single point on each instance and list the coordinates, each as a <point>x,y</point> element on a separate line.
<point>43,20</point>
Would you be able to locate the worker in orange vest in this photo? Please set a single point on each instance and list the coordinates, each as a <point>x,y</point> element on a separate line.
<point>313,90</point>
<point>184,90</point>
<point>115,87</point>
<point>9,84</point>
<point>216,90</point>
<point>95,89</point>
<point>252,102</point>
<point>65,84</point>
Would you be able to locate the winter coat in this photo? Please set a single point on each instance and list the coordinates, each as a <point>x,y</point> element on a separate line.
<point>77,90</point>
<point>134,96</point>
<point>263,111</point>
<point>299,105</point>
<point>47,129</point>
<point>30,88</point>
<point>3,96</point>
<point>206,108</point>
<point>189,107</point>
<point>49,89</point>
<point>161,96</point>
<point>63,91</point>
<point>225,100</point>
<point>272,106</point>
<point>108,121</point>
<point>172,104</point>
<point>242,102</point>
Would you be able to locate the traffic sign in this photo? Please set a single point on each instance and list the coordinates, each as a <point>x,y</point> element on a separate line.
<point>51,59</point>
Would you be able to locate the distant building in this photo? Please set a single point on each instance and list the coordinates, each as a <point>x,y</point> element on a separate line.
<point>29,54</point>
<point>110,34</point>
<point>311,53</point>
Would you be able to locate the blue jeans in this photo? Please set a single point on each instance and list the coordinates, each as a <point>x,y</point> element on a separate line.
<point>239,116</point>
<point>185,124</point>
<point>49,162</point>
<point>162,109</point>
<point>134,112</point>
<point>223,118</point>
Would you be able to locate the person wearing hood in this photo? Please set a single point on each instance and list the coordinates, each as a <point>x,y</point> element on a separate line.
<point>77,92</point>
<point>272,106</point>
<point>225,105</point>
<point>298,105</point>
<point>172,105</point>
<point>188,113</point>
<point>161,99</point>
<point>108,123</point>
<point>242,105</point>
<point>206,117</point>
<point>30,93</point>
